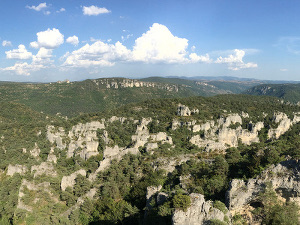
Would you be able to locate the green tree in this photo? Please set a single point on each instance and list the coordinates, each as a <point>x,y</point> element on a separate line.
<point>181,201</point>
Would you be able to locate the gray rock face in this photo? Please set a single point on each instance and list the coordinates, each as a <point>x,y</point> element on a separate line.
<point>151,191</point>
<point>169,164</point>
<point>284,124</point>
<point>129,83</point>
<point>142,133</point>
<point>20,169</point>
<point>35,152</point>
<point>200,212</point>
<point>32,187</point>
<point>84,136</point>
<point>183,110</point>
<point>219,136</point>
<point>151,146</point>
<point>284,179</point>
<point>82,139</point>
<point>56,136</point>
<point>44,168</point>
<point>69,181</point>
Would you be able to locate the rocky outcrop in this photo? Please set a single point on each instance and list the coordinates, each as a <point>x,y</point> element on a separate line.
<point>45,168</point>
<point>142,133</point>
<point>35,152</point>
<point>112,153</point>
<point>183,110</point>
<point>230,119</point>
<point>51,157</point>
<point>84,139</point>
<point>32,187</point>
<point>283,178</point>
<point>151,192</point>
<point>130,83</point>
<point>89,195</point>
<point>69,181</point>
<point>115,118</point>
<point>20,169</point>
<point>56,136</point>
<point>204,127</point>
<point>284,124</point>
<point>161,137</point>
<point>200,212</point>
<point>151,146</point>
<point>81,140</point>
<point>139,139</point>
<point>221,135</point>
<point>168,164</point>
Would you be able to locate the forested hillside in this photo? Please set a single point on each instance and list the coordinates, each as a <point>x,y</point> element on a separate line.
<point>143,163</point>
<point>287,92</point>
<point>207,86</point>
<point>73,98</point>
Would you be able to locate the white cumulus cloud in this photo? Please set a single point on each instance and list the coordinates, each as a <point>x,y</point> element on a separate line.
<point>61,10</point>
<point>39,7</point>
<point>6,43</point>
<point>202,58</point>
<point>97,54</point>
<point>235,60</point>
<point>73,40</point>
<point>40,61</point>
<point>158,44</point>
<point>49,39</point>
<point>42,57</point>
<point>94,10</point>
<point>20,53</point>
<point>23,68</point>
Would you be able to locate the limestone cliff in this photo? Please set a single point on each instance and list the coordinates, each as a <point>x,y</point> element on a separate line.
<point>242,197</point>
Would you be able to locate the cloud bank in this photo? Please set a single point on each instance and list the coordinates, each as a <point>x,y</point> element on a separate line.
<point>235,60</point>
<point>156,46</point>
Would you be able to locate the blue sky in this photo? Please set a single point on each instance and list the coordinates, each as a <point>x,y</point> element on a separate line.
<point>80,39</point>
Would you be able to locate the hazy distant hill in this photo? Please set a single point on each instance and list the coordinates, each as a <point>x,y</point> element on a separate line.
<point>211,85</point>
<point>288,92</point>
<point>73,98</point>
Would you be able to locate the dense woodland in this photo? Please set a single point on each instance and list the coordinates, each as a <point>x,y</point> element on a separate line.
<point>88,96</point>
<point>121,189</point>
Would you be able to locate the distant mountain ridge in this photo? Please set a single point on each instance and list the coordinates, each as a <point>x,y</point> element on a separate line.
<point>287,92</point>
<point>72,98</point>
<point>231,78</point>
<point>94,95</point>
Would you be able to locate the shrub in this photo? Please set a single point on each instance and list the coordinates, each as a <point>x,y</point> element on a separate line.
<point>181,201</point>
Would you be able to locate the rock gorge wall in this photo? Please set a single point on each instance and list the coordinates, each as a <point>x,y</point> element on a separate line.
<point>129,83</point>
